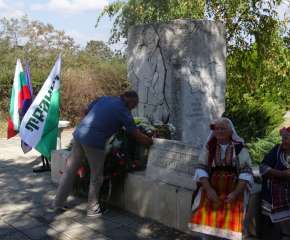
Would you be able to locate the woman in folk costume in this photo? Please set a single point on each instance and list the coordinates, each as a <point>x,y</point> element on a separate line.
<point>224,169</point>
<point>276,201</point>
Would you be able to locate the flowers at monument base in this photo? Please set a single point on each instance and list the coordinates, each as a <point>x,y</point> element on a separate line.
<point>80,172</point>
<point>135,164</point>
<point>115,151</point>
<point>123,157</point>
<point>157,127</point>
<point>106,177</point>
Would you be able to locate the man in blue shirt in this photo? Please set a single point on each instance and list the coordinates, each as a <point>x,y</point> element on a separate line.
<point>99,121</point>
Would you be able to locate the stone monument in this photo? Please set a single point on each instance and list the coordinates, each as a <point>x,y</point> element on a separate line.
<point>173,162</point>
<point>178,69</point>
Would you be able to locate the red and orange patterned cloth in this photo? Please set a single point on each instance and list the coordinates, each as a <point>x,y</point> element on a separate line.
<point>219,219</point>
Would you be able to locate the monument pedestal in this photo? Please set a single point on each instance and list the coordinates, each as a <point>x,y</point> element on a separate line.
<point>170,204</point>
<point>58,160</point>
<point>164,191</point>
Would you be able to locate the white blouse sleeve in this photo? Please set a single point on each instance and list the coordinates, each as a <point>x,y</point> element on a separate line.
<point>247,176</point>
<point>199,173</point>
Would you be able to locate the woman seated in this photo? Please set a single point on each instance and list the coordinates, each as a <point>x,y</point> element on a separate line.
<point>224,169</point>
<point>276,201</point>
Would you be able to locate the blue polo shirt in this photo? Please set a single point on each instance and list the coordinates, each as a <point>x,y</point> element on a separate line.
<point>106,116</point>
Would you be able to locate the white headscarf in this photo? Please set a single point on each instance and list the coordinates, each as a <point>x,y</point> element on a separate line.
<point>236,139</point>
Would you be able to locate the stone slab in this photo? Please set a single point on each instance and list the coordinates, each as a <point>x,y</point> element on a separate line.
<point>172,162</point>
<point>123,234</point>
<point>40,232</point>
<point>178,69</point>
<point>166,201</point>
<point>104,225</point>
<point>58,160</point>
<point>26,224</point>
<point>132,194</point>
<point>173,204</point>
<point>148,199</point>
<point>80,233</point>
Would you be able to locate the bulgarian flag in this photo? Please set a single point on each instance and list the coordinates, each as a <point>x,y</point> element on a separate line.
<point>39,126</point>
<point>20,92</point>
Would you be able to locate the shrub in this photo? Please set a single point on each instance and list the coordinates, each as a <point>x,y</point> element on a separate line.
<point>81,86</point>
<point>255,120</point>
<point>257,124</point>
<point>259,148</point>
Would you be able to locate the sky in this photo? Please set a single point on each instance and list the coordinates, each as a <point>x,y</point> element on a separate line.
<point>76,17</point>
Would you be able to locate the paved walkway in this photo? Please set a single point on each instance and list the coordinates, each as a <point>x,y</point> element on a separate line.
<point>26,197</point>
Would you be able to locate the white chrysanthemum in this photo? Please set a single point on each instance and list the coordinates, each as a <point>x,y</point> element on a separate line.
<point>157,123</point>
<point>149,131</point>
<point>151,128</point>
<point>117,144</point>
<point>171,127</point>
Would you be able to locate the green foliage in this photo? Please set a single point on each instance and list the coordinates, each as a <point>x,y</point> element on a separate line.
<point>134,12</point>
<point>254,120</point>
<point>84,76</point>
<point>99,49</point>
<point>258,57</point>
<point>259,148</point>
<point>257,123</point>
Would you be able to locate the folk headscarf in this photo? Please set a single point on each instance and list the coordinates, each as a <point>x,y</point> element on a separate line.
<point>211,141</point>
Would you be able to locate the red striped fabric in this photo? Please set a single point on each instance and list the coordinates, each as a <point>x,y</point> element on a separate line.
<point>223,220</point>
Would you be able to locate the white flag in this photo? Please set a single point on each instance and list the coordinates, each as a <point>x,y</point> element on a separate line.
<point>39,126</point>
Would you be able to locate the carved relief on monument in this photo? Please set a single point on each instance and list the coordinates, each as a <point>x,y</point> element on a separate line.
<point>149,69</point>
<point>203,80</point>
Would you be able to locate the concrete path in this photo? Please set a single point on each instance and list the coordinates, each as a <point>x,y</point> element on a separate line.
<point>26,197</point>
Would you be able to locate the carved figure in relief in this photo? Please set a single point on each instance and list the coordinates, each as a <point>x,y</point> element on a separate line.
<point>203,80</point>
<point>150,71</point>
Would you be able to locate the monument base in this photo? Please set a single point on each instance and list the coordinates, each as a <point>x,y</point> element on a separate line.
<point>169,204</point>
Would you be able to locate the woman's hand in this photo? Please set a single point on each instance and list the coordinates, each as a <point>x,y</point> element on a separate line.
<point>285,174</point>
<point>211,195</point>
<point>231,197</point>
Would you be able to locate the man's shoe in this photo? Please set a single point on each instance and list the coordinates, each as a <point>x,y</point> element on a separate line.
<point>99,212</point>
<point>65,208</point>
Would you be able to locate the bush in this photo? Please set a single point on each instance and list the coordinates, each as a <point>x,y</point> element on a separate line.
<point>79,87</point>
<point>257,124</point>
<point>259,148</point>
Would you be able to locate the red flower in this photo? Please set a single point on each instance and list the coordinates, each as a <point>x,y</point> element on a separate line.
<point>122,162</point>
<point>115,151</point>
<point>134,166</point>
<point>106,177</point>
<point>212,126</point>
<point>115,174</point>
<point>80,172</point>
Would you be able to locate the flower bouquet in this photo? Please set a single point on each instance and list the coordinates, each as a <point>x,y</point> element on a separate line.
<point>122,157</point>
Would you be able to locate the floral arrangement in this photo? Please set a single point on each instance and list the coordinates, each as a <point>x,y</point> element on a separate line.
<point>122,157</point>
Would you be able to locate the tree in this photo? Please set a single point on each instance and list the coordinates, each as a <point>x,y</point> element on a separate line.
<point>39,43</point>
<point>265,76</point>
<point>134,12</point>
<point>99,49</point>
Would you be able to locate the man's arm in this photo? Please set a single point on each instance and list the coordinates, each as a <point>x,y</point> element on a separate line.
<point>142,137</point>
<point>84,111</point>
